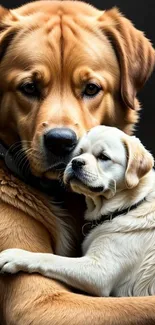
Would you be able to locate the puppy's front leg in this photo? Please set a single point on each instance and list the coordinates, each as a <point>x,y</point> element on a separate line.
<point>83,273</point>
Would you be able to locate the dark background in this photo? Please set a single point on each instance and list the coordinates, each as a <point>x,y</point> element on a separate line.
<point>142,14</point>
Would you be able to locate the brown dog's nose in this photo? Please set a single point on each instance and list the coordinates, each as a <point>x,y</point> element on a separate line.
<point>77,163</point>
<point>60,141</point>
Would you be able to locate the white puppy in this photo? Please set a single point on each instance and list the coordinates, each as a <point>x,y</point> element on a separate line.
<point>114,172</point>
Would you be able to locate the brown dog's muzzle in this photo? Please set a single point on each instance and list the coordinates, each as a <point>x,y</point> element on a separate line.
<point>60,141</point>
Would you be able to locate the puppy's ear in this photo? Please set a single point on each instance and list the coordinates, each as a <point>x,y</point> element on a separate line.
<point>135,53</point>
<point>139,161</point>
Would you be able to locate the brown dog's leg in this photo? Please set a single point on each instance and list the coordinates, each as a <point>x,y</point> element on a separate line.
<point>38,301</point>
<point>34,300</point>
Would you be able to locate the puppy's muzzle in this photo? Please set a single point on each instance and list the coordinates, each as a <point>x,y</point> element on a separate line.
<point>77,166</point>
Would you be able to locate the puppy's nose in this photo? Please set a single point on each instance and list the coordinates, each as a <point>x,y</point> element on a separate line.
<point>60,141</point>
<point>77,163</point>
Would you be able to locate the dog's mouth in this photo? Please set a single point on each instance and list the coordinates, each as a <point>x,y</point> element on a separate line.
<point>82,183</point>
<point>60,166</point>
<point>49,167</point>
<point>56,164</point>
<point>55,171</point>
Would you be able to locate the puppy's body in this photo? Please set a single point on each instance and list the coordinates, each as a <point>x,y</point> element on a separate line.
<point>118,254</point>
<point>125,246</point>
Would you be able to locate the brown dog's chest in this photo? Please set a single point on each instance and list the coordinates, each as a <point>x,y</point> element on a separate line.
<point>19,195</point>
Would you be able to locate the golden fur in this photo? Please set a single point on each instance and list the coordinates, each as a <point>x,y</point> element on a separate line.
<point>51,43</point>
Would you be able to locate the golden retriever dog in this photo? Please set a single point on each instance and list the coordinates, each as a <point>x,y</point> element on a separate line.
<point>114,172</point>
<point>65,67</point>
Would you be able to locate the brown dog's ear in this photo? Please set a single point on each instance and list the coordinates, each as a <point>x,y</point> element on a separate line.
<point>135,53</point>
<point>6,18</point>
<point>139,161</point>
<point>8,29</point>
<point>3,13</point>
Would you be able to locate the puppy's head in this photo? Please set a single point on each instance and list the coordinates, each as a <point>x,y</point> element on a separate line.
<point>106,161</point>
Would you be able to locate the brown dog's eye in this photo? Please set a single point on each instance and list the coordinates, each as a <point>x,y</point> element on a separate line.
<point>29,89</point>
<point>91,90</point>
<point>103,157</point>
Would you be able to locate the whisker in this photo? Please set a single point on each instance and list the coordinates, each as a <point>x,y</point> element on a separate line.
<point>91,174</point>
<point>22,163</point>
<point>21,160</point>
<point>19,153</point>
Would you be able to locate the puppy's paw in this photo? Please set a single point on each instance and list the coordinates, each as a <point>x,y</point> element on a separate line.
<point>15,260</point>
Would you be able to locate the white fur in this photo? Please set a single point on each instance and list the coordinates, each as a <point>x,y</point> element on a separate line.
<point>118,255</point>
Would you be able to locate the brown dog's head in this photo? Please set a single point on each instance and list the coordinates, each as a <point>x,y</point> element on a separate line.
<point>64,68</point>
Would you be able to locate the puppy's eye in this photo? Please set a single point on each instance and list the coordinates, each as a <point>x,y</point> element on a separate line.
<point>81,151</point>
<point>103,157</point>
<point>91,90</point>
<point>29,89</point>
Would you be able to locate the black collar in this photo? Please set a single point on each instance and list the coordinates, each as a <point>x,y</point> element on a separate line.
<point>87,227</point>
<point>50,187</point>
